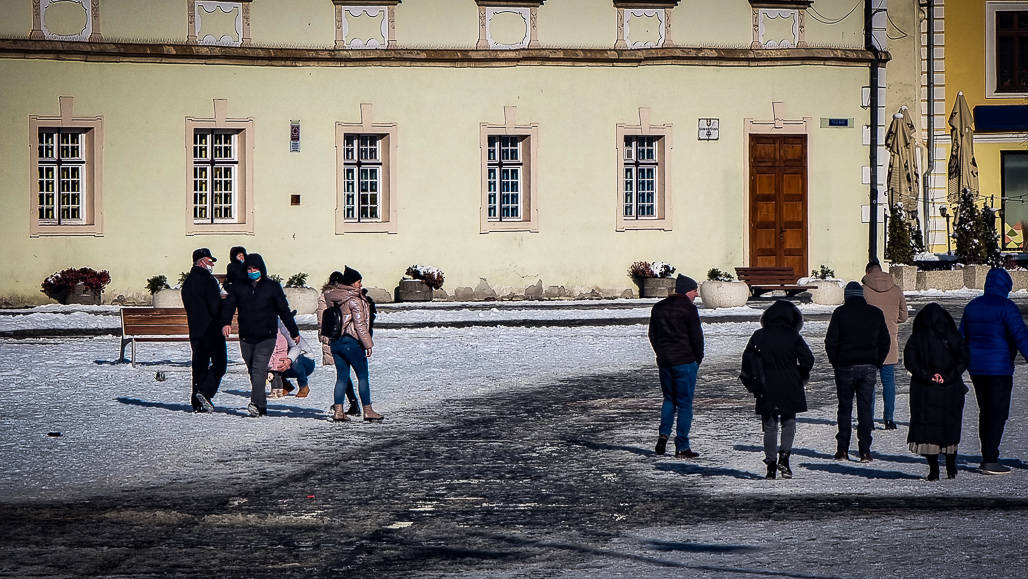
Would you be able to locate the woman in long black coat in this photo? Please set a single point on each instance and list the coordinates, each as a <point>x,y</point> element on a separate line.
<point>936,356</point>
<point>786,361</point>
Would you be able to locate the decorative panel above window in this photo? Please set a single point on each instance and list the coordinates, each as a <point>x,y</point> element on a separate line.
<point>69,20</point>
<point>779,23</point>
<point>509,181</point>
<point>66,173</point>
<point>218,23</point>
<point>507,24</point>
<point>643,24</point>
<point>362,24</point>
<point>366,193</point>
<point>219,173</point>
<point>1006,54</point>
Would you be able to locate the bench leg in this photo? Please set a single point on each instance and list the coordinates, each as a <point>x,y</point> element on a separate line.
<point>124,342</point>
<point>133,353</point>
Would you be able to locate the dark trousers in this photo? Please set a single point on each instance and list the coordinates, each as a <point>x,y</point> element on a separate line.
<point>993,394</point>
<point>210,359</point>
<point>257,355</point>
<point>855,381</point>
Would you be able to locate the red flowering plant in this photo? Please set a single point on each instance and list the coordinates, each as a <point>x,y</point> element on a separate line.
<point>58,285</point>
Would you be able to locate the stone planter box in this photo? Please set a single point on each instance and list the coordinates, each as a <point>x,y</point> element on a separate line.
<point>1020,278</point>
<point>413,290</point>
<point>905,276</point>
<point>826,292</point>
<point>82,295</point>
<point>168,298</point>
<point>974,276</point>
<point>724,294</point>
<point>943,280</point>
<point>302,299</point>
<point>655,287</point>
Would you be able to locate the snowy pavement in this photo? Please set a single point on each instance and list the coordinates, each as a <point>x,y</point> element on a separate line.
<point>79,427</point>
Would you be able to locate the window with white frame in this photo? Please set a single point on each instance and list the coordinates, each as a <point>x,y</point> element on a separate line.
<point>362,178</point>
<point>215,176</point>
<point>61,169</point>
<point>642,167</point>
<point>1006,54</point>
<point>504,178</point>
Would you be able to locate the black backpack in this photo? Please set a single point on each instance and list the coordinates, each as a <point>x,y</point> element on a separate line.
<point>332,322</point>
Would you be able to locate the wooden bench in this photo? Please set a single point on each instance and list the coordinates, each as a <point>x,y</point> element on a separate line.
<point>156,325</point>
<point>771,278</point>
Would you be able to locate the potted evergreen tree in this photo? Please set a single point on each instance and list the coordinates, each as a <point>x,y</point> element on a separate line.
<point>828,290</point>
<point>301,298</point>
<point>721,290</point>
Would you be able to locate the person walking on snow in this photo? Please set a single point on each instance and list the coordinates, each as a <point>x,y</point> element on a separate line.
<point>857,343</point>
<point>936,356</point>
<point>201,296</point>
<point>259,302</point>
<point>995,331</point>
<point>881,291</point>
<point>785,360</point>
<point>677,340</point>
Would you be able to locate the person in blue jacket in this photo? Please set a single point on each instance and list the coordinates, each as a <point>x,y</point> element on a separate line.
<point>995,332</point>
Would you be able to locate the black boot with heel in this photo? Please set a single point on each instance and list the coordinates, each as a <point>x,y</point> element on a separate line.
<point>933,466</point>
<point>783,463</point>
<point>772,468</point>
<point>951,465</point>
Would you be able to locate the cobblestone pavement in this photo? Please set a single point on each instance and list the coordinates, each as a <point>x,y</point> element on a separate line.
<point>557,479</point>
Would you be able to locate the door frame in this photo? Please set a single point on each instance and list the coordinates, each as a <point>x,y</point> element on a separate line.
<point>778,126</point>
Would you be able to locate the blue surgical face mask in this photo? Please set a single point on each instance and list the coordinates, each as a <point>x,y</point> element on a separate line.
<point>254,275</point>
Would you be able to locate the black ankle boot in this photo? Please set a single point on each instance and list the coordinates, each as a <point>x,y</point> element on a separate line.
<point>933,466</point>
<point>772,468</point>
<point>783,463</point>
<point>951,465</point>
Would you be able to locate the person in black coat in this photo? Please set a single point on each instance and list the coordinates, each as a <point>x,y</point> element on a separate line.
<point>201,297</point>
<point>235,272</point>
<point>857,343</point>
<point>936,356</point>
<point>677,340</point>
<point>259,301</point>
<point>785,361</point>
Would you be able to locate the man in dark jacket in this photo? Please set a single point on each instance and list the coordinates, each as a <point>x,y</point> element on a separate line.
<point>259,301</point>
<point>201,297</point>
<point>677,340</point>
<point>995,331</point>
<point>857,343</point>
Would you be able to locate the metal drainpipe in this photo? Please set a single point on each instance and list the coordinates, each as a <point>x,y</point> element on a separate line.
<point>930,145</point>
<point>872,244</point>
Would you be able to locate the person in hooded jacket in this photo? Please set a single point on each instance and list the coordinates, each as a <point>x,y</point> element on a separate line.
<point>235,272</point>
<point>260,301</point>
<point>994,330</point>
<point>786,361</point>
<point>881,291</point>
<point>354,346</point>
<point>936,356</point>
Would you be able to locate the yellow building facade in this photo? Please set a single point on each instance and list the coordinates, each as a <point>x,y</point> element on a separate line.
<point>507,141</point>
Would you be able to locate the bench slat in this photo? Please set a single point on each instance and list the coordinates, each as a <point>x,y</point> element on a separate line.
<point>157,325</point>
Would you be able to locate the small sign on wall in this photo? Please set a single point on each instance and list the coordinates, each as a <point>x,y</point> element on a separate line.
<point>708,129</point>
<point>294,136</point>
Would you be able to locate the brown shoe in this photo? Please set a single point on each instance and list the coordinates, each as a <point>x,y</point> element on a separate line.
<point>287,386</point>
<point>277,393</point>
<point>338,415</point>
<point>370,415</point>
<point>303,392</point>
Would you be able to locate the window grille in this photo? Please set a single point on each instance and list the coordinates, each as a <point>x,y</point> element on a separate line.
<point>504,174</point>
<point>215,176</point>
<point>362,178</point>
<point>640,185</point>
<point>60,170</point>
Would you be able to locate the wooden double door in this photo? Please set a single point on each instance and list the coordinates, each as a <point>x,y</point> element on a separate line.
<point>778,201</point>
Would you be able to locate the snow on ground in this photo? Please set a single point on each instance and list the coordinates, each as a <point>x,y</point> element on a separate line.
<point>121,428</point>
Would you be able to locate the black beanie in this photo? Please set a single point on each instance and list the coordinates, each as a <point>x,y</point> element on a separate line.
<point>350,276</point>
<point>853,290</point>
<point>684,284</point>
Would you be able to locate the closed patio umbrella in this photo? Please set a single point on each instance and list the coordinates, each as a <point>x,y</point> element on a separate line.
<point>902,165</point>
<point>963,170</point>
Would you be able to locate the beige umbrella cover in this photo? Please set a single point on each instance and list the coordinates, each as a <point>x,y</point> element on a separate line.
<point>902,167</point>
<point>963,170</point>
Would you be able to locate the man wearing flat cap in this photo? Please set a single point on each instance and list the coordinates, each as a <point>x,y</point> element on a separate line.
<point>677,339</point>
<point>201,296</point>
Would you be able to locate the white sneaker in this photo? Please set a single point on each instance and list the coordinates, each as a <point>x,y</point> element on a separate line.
<point>252,410</point>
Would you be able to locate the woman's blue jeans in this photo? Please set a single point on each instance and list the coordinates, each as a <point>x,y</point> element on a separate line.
<point>348,353</point>
<point>888,376</point>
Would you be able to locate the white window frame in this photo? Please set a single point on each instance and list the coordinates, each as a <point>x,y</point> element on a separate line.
<point>991,58</point>
<point>57,163</point>
<point>353,195</point>
<point>633,166</point>
<point>213,163</point>
<point>495,167</point>
<point>662,195</point>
